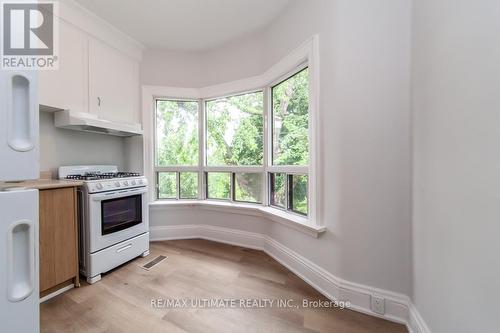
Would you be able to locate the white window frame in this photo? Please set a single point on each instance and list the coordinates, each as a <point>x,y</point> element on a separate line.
<point>286,169</point>
<point>233,169</point>
<point>173,168</point>
<point>304,56</point>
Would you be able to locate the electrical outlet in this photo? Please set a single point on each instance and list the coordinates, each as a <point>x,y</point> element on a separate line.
<point>378,304</point>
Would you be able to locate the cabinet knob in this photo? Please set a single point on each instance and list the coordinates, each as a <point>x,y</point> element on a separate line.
<point>99,101</point>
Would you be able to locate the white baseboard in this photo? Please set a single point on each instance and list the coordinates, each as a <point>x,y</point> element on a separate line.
<point>398,306</point>
<point>416,323</point>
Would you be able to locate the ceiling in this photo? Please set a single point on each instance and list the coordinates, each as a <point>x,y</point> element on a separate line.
<point>186,24</point>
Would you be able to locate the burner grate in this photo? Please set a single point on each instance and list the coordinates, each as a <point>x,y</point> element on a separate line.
<point>106,175</point>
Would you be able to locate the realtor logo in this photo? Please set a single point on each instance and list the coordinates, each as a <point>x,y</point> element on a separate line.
<point>29,35</point>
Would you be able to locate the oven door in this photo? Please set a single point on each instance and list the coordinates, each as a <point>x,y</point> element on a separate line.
<point>117,216</point>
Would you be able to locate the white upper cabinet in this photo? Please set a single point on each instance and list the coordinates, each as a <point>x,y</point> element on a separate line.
<point>93,77</point>
<point>113,84</point>
<point>67,87</point>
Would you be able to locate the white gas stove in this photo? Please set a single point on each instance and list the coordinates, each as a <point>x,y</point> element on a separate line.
<point>113,217</point>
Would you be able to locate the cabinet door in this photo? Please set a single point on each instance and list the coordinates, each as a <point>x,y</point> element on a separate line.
<point>113,85</point>
<point>58,257</point>
<point>67,87</point>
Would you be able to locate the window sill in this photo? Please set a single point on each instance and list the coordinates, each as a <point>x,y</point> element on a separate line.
<point>293,221</point>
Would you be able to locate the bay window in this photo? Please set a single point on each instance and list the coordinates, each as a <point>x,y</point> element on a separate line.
<point>248,148</point>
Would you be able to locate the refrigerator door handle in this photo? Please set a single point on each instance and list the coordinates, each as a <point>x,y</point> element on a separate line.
<point>20,260</point>
<point>21,112</point>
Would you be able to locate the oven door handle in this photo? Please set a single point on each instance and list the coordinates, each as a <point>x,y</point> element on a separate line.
<point>117,194</point>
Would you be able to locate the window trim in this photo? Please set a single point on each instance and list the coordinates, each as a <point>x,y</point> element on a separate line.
<point>305,55</point>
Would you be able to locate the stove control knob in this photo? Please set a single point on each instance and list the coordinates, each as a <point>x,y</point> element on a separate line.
<point>125,183</point>
<point>139,181</point>
<point>99,186</point>
<point>117,184</point>
<point>133,182</point>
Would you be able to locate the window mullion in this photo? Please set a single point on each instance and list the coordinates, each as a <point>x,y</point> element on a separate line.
<point>232,194</point>
<point>266,161</point>
<point>178,180</point>
<point>202,150</point>
<point>289,182</point>
<point>238,169</point>
<point>292,169</point>
<point>205,185</point>
<point>157,185</point>
<point>176,169</point>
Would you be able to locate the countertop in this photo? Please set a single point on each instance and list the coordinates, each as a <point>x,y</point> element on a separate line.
<point>44,184</point>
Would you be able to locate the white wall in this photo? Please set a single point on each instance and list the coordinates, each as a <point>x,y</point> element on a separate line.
<point>243,58</point>
<point>67,147</point>
<point>239,59</point>
<point>166,68</point>
<point>456,220</point>
<point>365,116</point>
<point>364,55</point>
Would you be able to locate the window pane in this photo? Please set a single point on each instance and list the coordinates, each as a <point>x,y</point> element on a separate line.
<point>248,187</point>
<point>176,133</point>
<point>290,106</point>
<point>235,130</point>
<point>278,189</point>
<point>298,198</point>
<point>167,185</point>
<point>189,185</point>
<point>218,185</point>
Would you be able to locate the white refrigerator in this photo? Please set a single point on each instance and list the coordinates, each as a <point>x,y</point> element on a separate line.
<point>19,160</point>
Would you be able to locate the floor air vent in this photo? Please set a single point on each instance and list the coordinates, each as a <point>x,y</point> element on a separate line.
<point>147,266</point>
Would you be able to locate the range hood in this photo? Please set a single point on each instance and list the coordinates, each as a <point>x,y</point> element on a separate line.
<point>87,122</point>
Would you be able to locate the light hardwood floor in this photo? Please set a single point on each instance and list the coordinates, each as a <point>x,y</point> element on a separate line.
<point>199,269</point>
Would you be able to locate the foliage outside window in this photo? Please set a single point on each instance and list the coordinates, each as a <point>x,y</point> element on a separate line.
<point>219,185</point>
<point>176,133</point>
<point>278,189</point>
<point>167,185</point>
<point>248,187</point>
<point>298,194</point>
<point>289,191</point>
<point>235,130</point>
<point>177,147</point>
<point>188,185</point>
<point>290,108</point>
<point>233,165</point>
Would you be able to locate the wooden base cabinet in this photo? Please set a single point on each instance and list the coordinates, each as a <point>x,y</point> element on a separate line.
<point>58,239</point>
